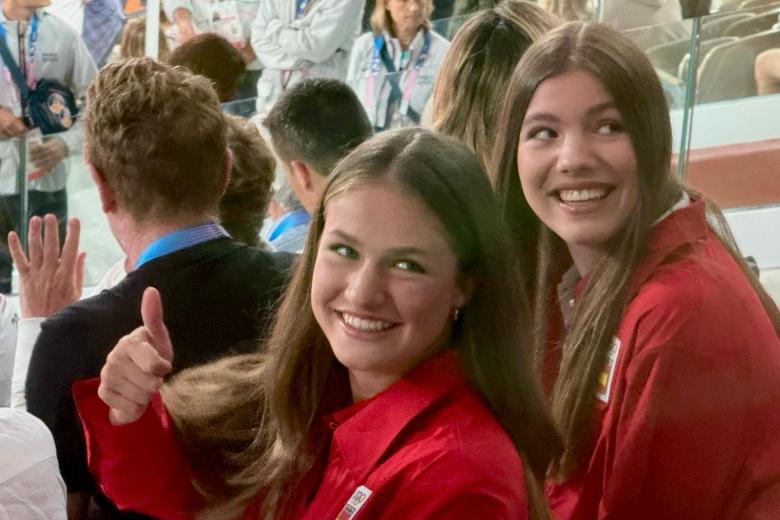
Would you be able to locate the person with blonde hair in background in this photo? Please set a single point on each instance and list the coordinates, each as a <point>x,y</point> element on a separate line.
<point>392,67</point>
<point>469,88</point>
<point>397,381</point>
<point>132,42</point>
<point>658,346</point>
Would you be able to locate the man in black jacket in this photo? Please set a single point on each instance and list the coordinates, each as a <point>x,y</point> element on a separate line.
<point>156,149</point>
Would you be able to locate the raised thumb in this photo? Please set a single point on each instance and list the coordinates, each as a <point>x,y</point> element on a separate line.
<point>152,316</point>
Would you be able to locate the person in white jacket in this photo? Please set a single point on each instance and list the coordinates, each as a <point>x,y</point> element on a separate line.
<point>51,50</point>
<point>231,19</point>
<point>296,39</point>
<point>393,67</point>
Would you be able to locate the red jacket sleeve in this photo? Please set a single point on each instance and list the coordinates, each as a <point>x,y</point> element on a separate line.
<point>139,466</point>
<point>696,424</point>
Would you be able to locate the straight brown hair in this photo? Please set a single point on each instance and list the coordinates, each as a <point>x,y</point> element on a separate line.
<point>629,77</point>
<point>471,82</point>
<point>299,379</point>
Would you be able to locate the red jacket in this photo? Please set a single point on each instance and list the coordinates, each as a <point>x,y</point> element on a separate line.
<point>427,448</point>
<point>689,410</point>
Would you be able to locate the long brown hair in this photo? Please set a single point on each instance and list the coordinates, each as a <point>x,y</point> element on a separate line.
<point>629,77</point>
<point>300,379</point>
<point>472,79</point>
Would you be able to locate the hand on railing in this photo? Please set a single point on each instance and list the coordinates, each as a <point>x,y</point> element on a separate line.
<point>135,368</point>
<point>10,125</point>
<point>49,279</point>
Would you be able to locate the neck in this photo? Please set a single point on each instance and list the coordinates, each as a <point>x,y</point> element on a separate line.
<point>406,37</point>
<point>135,237</point>
<point>367,385</point>
<point>13,11</point>
<point>585,258</point>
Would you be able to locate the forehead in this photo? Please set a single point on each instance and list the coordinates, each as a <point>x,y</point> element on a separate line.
<point>573,92</point>
<point>383,215</point>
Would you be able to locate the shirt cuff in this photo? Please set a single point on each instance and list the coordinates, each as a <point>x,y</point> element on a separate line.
<point>27,335</point>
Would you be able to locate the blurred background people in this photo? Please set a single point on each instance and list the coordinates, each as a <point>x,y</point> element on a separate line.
<point>312,126</point>
<point>52,50</point>
<point>289,220</point>
<point>297,39</point>
<point>212,56</point>
<point>230,19</point>
<point>132,42</point>
<point>392,68</point>
<point>471,83</point>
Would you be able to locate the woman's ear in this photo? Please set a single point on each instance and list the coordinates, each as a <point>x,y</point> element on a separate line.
<point>466,285</point>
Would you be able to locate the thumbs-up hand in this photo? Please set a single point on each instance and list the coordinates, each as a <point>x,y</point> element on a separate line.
<point>135,368</point>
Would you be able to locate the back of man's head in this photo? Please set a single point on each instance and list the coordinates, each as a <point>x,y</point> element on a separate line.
<point>317,121</point>
<point>157,136</point>
<point>212,56</point>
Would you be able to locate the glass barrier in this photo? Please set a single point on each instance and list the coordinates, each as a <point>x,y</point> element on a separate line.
<point>79,199</point>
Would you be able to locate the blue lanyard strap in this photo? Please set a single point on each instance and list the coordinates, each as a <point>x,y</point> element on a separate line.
<point>300,8</point>
<point>32,45</point>
<point>287,222</point>
<point>379,42</point>
<point>180,239</point>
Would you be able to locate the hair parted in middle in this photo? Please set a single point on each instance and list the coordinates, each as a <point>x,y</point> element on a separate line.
<point>300,378</point>
<point>628,76</point>
<point>157,136</point>
<point>472,79</point>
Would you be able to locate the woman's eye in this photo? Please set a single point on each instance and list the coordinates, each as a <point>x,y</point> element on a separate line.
<point>409,265</point>
<point>343,250</point>
<point>609,127</point>
<point>541,134</point>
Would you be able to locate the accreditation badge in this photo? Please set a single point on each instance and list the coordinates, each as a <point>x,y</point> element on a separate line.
<point>608,372</point>
<point>355,503</point>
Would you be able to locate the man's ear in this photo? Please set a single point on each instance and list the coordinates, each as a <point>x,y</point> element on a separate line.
<point>106,192</point>
<point>302,175</point>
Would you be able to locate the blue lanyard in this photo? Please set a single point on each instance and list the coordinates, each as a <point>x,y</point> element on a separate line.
<point>379,42</point>
<point>300,8</point>
<point>287,222</point>
<point>32,45</point>
<point>180,239</point>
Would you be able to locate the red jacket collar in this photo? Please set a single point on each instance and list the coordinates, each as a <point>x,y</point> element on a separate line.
<point>366,430</point>
<point>681,228</point>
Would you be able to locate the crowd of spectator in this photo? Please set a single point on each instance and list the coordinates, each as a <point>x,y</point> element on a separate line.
<point>426,279</point>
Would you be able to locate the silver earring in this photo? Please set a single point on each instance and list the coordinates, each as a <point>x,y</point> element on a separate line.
<point>455,314</point>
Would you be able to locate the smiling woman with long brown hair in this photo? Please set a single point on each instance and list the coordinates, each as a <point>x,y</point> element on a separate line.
<point>398,381</point>
<point>659,348</point>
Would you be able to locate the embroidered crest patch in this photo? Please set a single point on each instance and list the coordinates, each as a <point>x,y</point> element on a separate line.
<point>606,375</point>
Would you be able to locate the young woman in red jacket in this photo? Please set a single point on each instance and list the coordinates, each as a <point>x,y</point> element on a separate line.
<point>661,354</point>
<point>398,381</point>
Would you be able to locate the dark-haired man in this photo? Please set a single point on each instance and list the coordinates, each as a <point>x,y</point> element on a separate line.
<point>156,147</point>
<point>313,125</point>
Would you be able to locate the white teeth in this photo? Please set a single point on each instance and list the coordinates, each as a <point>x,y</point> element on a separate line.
<point>581,195</point>
<point>367,325</point>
